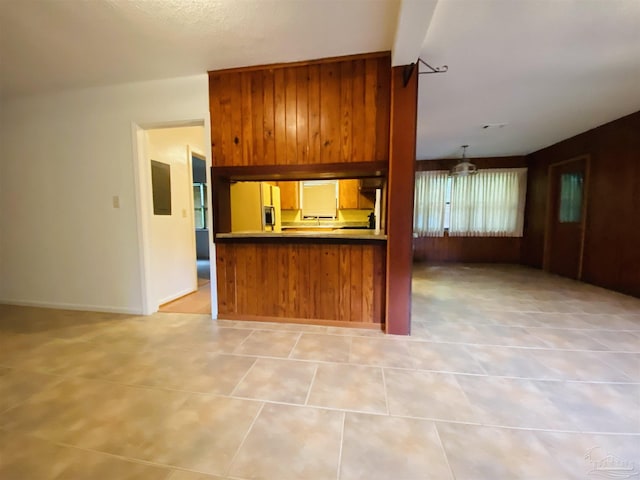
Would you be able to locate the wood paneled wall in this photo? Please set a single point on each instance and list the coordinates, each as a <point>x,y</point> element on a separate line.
<point>469,249</point>
<point>329,111</point>
<point>612,237</point>
<point>324,283</point>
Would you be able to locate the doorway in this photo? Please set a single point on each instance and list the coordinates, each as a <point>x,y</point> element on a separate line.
<point>198,301</point>
<point>566,217</point>
<point>167,236</point>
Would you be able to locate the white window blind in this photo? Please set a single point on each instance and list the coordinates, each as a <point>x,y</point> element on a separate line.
<point>489,204</point>
<point>429,202</point>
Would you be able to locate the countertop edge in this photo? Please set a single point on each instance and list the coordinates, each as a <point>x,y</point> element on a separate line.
<point>317,237</point>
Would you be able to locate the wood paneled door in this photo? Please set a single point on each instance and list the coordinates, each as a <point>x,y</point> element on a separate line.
<point>566,217</point>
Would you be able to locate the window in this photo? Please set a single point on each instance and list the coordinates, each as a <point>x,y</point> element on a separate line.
<point>200,205</point>
<point>488,204</point>
<point>570,197</point>
<point>429,200</point>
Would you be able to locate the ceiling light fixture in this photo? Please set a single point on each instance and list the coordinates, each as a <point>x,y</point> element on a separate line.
<point>464,167</point>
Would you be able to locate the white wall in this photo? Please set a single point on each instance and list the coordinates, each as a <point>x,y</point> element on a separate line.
<point>63,157</point>
<point>172,237</point>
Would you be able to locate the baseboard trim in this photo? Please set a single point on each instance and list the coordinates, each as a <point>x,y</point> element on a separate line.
<point>72,306</point>
<point>173,298</point>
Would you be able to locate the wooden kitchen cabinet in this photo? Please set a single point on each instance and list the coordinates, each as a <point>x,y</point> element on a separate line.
<point>289,195</point>
<point>320,112</point>
<point>349,195</point>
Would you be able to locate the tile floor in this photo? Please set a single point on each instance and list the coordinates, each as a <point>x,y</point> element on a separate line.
<point>523,376</point>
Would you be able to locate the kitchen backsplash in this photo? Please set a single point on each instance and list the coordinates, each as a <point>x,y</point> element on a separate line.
<point>346,216</point>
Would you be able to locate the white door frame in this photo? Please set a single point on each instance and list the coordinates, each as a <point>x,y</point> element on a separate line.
<point>143,197</point>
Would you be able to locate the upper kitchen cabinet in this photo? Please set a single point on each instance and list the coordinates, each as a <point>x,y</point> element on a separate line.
<point>289,195</point>
<point>321,112</point>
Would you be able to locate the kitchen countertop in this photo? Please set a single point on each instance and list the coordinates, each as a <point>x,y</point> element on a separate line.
<point>336,234</point>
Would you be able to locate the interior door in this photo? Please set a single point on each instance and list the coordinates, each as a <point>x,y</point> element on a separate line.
<point>567,214</point>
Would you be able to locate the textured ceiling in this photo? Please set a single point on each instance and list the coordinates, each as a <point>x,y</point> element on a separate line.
<point>48,45</point>
<point>548,68</point>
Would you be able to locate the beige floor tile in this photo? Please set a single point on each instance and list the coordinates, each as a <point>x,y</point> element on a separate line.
<point>444,357</point>
<point>349,387</point>
<point>277,380</point>
<point>568,339</point>
<point>326,348</point>
<point>381,447</point>
<point>194,371</point>
<point>580,455</point>
<point>476,452</point>
<point>427,395</point>
<point>184,475</point>
<point>598,407</point>
<point>18,386</point>
<point>268,343</point>
<point>91,414</point>
<point>291,443</point>
<point>511,362</point>
<point>513,402</point>
<point>626,363</point>
<point>577,365</point>
<point>202,435</point>
<point>619,341</point>
<point>28,458</point>
<point>381,352</point>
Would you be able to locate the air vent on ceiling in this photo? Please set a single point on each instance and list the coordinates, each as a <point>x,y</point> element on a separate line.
<point>488,126</point>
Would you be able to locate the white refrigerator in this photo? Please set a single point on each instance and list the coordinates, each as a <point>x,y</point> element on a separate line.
<point>255,207</point>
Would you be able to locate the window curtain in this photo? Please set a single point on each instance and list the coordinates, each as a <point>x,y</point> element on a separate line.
<point>489,204</point>
<point>429,201</point>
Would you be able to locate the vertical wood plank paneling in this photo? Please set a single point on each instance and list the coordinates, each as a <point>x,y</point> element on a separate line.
<point>250,272</point>
<point>342,283</point>
<point>280,117</point>
<point>291,117</point>
<point>344,277</point>
<point>247,135</point>
<point>315,280</point>
<point>328,307</point>
<point>225,120</point>
<point>282,281</point>
<point>236,118</point>
<point>370,94</point>
<point>302,114</point>
<point>231,279</point>
<point>242,279</point>
<point>383,103</point>
<point>314,114</point>
<point>329,113</point>
<point>306,304</point>
<point>221,279</point>
<point>346,108</point>
<point>216,120</point>
<point>358,137</point>
<point>356,283</point>
<point>379,265</point>
<point>293,280</point>
<point>367,283</point>
<point>268,112</point>
<point>256,130</point>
